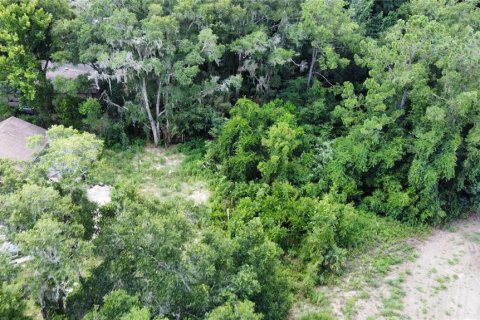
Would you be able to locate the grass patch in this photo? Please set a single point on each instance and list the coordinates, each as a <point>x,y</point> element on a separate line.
<point>442,284</point>
<point>383,264</point>
<point>454,261</point>
<point>165,174</point>
<point>350,308</point>
<point>317,316</point>
<point>366,267</point>
<point>473,236</point>
<point>393,305</point>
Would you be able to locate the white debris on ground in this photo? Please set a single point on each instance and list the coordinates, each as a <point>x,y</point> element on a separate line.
<point>100,194</point>
<point>5,245</point>
<point>200,196</point>
<point>22,260</point>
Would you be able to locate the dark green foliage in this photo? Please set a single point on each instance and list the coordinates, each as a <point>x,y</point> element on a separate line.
<point>408,146</point>
<point>173,260</point>
<point>259,143</point>
<point>5,111</point>
<point>267,141</point>
<point>330,120</point>
<point>399,144</point>
<point>66,108</point>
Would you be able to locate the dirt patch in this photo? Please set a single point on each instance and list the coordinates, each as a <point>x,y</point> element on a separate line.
<point>163,181</point>
<point>164,160</point>
<point>442,282</point>
<point>200,196</point>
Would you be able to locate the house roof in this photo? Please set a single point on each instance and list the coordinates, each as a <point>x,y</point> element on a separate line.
<point>69,71</point>
<point>13,139</point>
<point>73,71</point>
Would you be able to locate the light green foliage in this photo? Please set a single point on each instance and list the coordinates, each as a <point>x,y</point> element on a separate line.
<point>326,24</point>
<point>91,109</point>
<point>153,52</point>
<point>59,257</point>
<point>378,127</point>
<point>10,178</point>
<point>267,139</point>
<point>26,44</point>
<point>259,142</point>
<point>12,304</point>
<point>70,155</point>
<point>12,301</point>
<point>203,266</point>
<point>333,227</point>
<point>21,209</point>
<point>235,311</point>
<point>408,147</point>
<point>119,305</point>
<point>22,30</point>
<point>281,143</point>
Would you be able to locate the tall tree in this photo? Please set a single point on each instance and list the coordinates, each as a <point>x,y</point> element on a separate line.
<point>412,135</point>
<point>22,31</point>
<point>69,156</point>
<point>59,260</point>
<point>27,44</point>
<point>330,31</point>
<point>153,52</point>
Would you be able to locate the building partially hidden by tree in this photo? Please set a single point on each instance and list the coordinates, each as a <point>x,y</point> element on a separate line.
<point>14,134</point>
<point>84,74</point>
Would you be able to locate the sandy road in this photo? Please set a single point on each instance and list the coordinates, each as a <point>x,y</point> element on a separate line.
<point>445,279</point>
<point>442,283</point>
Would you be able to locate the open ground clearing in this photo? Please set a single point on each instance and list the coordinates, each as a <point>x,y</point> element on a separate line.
<point>432,278</point>
<point>154,172</point>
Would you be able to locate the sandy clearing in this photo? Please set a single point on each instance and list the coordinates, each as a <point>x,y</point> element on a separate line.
<point>172,186</point>
<point>167,162</point>
<point>200,195</point>
<point>442,283</point>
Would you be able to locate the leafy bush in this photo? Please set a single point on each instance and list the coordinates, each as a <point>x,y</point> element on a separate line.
<point>318,316</point>
<point>204,266</point>
<point>265,160</point>
<point>243,310</point>
<point>258,143</point>
<point>5,111</point>
<point>119,305</point>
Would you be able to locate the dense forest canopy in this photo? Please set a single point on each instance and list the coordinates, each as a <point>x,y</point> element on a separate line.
<point>323,125</point>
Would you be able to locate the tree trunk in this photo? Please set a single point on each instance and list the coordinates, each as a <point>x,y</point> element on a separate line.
<point>61,304</point>
<point>61,301</point>
<point>41,301</point>
<point>44,313</point>
<point>401,105</point>
<point>166,130</point>
<point>157,106</point>
<point>167,126</point>
<point>312,66</point>
<point>152,121</point>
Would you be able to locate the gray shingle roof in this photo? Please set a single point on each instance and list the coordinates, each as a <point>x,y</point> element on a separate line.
<point>13,139</point>
<point>69,71</point>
